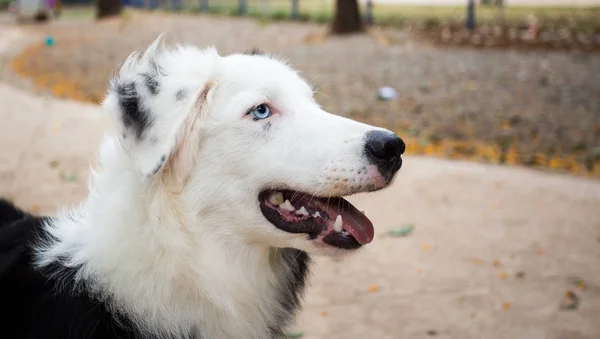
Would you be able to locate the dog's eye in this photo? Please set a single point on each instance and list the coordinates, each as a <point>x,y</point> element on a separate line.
<point>261,111</point>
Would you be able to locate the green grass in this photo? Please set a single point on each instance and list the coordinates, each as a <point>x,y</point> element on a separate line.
<point>582,18</point>
<point>586,19</point>
<point>78,12</point>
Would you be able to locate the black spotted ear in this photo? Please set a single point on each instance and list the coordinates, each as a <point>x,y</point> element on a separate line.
<point>149,118</point>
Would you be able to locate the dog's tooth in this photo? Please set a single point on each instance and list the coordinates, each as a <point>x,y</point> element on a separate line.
<point>288,206</point>
<point>302,211</point>
<point>344,233</point>
<point>337,225</point>
<point>317,215</point>
<point>276,198</point>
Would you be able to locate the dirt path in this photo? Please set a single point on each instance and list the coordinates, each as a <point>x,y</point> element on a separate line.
<point>493,252</point>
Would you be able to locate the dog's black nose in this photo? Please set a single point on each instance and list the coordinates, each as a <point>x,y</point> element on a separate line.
<point>384,150</point>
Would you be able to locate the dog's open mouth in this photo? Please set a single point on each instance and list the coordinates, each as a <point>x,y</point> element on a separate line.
<point>331,220</point>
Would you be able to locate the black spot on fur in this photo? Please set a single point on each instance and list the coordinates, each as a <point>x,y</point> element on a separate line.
<point>159,165</point>
<point>267,127</point>
<point>151,83</point>
<point>134,116</point>
<point>151,78</point>
<point>255,51</point>
<point>9,213</point>
<point>181,94</point>
<point>297,263</point>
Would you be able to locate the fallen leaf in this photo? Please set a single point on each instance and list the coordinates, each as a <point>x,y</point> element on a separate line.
<point>432,333</point>
<point>540,251</point>
<point>316,38</point>
<point>374,288</point>
<point>496,263</point>
<point>502,275</point>
<point>54,163</point>
<point>403,231</point>
<point>68,177</point>
<point>520,275</point>
<point>294,335</point>
<point>506,306</point>
<point>478,261</point>
<point>578,282</point>
<point>472,85</point>
<point>426,247</point>
<point>324,313</point>
<point>570,301</point>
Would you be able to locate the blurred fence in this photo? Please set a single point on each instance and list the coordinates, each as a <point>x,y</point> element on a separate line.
<point>310,10</point>
<point>277,9</point>
<point>485,12</point>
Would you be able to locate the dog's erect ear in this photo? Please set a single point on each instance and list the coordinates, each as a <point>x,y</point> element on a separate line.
<point>149,112</point>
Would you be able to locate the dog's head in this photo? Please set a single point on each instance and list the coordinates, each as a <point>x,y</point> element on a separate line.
<point>244,149</point>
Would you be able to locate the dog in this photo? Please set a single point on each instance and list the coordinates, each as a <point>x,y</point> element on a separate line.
<point>222,177</point>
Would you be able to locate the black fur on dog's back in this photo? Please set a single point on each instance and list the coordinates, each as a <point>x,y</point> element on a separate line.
<point>45,303</point>
<point>9,213</point>
<point>10,233</point>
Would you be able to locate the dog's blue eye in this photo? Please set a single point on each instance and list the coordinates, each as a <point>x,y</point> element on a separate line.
<point>261,111</point>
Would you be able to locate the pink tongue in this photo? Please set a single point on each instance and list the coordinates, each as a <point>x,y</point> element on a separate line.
<point>354,221</point>
<point>359,226</point>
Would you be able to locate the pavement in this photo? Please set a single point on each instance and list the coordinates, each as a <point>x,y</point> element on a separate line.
<point>493,254</point>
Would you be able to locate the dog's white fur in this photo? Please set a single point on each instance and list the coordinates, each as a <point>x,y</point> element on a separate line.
<point>187,249</point>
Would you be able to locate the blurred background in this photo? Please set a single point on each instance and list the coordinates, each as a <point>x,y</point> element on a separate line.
<point>492,229</point>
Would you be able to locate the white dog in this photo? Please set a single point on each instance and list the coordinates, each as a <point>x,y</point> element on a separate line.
<point>223,176</point>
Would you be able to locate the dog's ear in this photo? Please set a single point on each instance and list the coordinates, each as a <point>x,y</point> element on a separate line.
<point>151,116</point>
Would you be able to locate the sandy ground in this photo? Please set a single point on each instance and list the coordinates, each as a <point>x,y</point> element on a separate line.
<point>493,252</point>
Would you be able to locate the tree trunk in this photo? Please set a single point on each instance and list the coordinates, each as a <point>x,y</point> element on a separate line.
<point>470,15</point>
<point>295,12</point>
<point>347,17</point>
<point>107,8</point>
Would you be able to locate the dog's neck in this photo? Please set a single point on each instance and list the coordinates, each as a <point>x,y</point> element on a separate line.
<point>133,245</point>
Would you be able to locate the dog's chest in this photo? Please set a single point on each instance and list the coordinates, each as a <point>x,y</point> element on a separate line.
<point>256,308</point>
